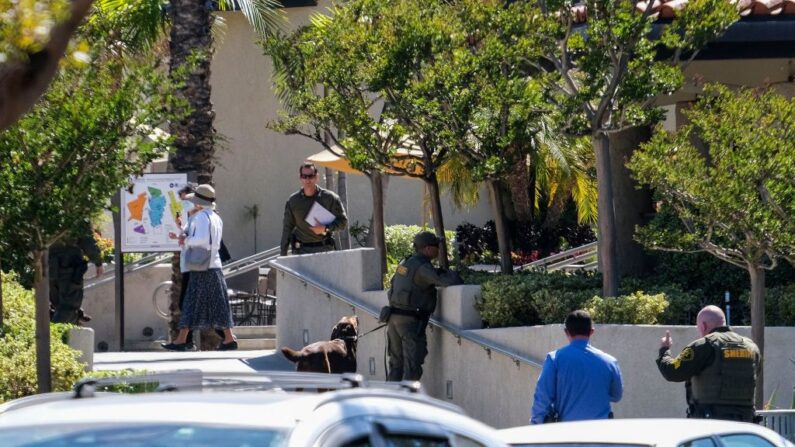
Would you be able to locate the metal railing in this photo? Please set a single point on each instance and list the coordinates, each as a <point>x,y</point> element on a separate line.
<point>140,264</point>
<point>578,258</point>
<point>780,421</point>
<point>250,263</point>
<point>466,335</point>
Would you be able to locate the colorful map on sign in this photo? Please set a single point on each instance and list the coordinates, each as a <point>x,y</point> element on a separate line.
<point>157,206</point>
<point>136,207</point>
<point>175,205</point>
<point>150,206</point>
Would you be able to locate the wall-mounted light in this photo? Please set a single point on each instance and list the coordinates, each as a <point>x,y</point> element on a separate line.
<point>450,389</point>
<point>306,337</point>
<point>372,366</point>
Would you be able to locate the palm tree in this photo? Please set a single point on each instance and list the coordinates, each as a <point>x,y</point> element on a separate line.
<point>191,48</point>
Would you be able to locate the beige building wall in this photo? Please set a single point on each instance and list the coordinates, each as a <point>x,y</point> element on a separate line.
<point>260,167</point>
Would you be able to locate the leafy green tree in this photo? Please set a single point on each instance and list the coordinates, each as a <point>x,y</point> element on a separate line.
<point>34,36</point>
<point>81,142</point>
<point>189,24</point>
<point>610,69</point>
<point>728,176</point>
<point>343,115</point>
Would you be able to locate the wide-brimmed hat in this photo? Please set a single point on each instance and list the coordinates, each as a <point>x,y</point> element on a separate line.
<point>203,196</point>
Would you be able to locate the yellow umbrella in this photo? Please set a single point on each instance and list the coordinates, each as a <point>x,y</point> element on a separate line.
<point>406,159</point>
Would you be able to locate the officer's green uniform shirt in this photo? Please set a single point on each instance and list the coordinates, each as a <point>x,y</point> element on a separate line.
<point>296,210</point>
<point>699,363</point>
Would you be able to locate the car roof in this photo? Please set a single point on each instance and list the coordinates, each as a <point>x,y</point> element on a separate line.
<point>218,408</point>
<point>628,431</point>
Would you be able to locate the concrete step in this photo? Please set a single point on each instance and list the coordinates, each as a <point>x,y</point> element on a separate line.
<point>254,332</point>
<point>243,344</point>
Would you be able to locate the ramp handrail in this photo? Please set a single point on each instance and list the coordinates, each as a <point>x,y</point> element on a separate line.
<point>566,260</point>
<point>142,263</point>
<point>780,421</point>
<point>252,262</point>
<point>466,335</point>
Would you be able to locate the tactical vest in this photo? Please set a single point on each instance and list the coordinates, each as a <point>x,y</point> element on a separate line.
<point>731,378</point>
<point>405,294</point>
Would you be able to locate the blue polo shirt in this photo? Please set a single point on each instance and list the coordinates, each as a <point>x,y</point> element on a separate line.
<point>580,381</point>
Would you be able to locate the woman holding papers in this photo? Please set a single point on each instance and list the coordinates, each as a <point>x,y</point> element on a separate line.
<point>311,215</point>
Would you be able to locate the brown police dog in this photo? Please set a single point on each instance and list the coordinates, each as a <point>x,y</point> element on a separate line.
<point>335,356</point>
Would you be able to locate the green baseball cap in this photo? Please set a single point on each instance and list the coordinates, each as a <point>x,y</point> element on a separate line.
<point>425,239</point>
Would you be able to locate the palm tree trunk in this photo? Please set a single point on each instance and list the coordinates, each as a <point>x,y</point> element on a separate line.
<point>519,186</point>
<point>379,238</point>
<point>41,287</point>
<point>194,136</point>
<point>498,210</point>
<point>438,219</point>
<point>758,324</point>
<point>608,262</point>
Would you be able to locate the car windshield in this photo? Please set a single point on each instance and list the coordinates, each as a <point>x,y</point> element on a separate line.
<point>139,435</point>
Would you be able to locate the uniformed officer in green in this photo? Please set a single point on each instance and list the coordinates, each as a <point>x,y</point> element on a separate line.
<point>67,264</point>
<point>412,300</point>
<point>299,234</point>
<point>719,369</point>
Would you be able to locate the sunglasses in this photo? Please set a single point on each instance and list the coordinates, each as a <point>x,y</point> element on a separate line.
<point>308,176</point>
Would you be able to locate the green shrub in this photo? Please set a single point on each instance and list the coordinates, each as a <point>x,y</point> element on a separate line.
<point>636,308</point>
<point>683,306</point>
<point>121,386</point>
<point>18,347</point>
<point>779,305</point>
<point>531,298</point>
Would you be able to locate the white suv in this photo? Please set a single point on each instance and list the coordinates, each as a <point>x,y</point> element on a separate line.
<point>257,412</point>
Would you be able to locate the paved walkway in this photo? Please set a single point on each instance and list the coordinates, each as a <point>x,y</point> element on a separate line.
<point>209,361</point>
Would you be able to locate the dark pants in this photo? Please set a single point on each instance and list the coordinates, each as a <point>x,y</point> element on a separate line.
<point>182,290</point>
<point>67,267</point>
<point>408,347</point>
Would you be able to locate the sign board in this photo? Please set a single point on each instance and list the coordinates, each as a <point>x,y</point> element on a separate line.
<point>149,212</point>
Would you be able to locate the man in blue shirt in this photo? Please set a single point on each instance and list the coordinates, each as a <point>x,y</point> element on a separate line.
<point>578,382</point>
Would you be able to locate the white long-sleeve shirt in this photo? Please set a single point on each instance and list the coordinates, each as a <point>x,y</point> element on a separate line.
<point>200,227</point>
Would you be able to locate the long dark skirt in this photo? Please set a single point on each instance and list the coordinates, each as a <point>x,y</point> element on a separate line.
<point>206,303</point>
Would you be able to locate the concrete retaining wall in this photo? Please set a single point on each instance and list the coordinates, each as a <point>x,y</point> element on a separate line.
<point>490,385</point>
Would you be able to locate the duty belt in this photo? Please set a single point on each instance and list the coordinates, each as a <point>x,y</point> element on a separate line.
<point>300,244</point>
<point>410,313</point>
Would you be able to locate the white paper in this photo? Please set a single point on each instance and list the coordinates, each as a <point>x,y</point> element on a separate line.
<point>319,214</point>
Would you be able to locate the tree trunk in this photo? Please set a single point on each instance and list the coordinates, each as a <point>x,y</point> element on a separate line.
<point>22,83</point>
<point>377,228</point>
<point>342,191</point>
<point>41,285</point>
<point>498,210</point>
<point>520,187</point>
<point>608,262</point>
<point>194,135</point>
<point>438,219</point>
<point>758,325</point>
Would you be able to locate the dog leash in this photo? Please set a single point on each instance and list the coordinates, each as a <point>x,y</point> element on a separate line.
<point>370,331</point>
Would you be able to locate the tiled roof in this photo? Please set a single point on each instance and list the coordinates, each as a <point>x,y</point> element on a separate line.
<point>666,9</point>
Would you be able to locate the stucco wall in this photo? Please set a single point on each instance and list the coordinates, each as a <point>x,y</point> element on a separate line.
<point>260,167</point>
<point>488,384</point>
<point>99,302</point>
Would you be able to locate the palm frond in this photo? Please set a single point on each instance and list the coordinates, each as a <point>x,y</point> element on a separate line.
<point>266,17</point>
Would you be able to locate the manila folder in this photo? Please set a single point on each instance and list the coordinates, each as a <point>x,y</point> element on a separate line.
<point>318,213</point>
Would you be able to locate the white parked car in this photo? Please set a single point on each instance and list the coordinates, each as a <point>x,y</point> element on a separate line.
<point>644,433</point>
<point>257,411</point>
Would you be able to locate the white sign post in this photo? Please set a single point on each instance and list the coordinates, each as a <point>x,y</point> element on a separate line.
<point>149,213</point>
